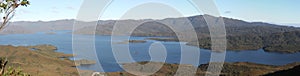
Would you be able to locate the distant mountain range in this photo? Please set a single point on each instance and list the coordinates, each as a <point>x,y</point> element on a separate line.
<point>241,35</point>
<point>233,26</point>
<point>24,27</point>
<point>158,27</point>
<point>293,24</point>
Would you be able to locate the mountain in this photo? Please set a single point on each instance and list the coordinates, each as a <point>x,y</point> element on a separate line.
<point>295,71</point>
<point>151,27</point>
<point>241,35</point>
<point>25,27</point>
<point>293,24</point>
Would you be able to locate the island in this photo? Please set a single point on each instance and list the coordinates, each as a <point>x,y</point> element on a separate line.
<point>171,39</point>
<point>131,41</point>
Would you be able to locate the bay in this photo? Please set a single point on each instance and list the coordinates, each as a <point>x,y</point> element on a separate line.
<point>140,51</point>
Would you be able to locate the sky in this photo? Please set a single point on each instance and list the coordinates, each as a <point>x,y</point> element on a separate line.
<point>271,11</point>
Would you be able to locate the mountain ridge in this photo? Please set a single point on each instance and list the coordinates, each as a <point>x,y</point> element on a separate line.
<point>67,24</point>
<point>241,35</point>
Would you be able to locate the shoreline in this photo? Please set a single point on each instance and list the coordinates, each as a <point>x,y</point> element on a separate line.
<point>43,60</point>
<point>229,69</point>
<point>204,46</point>
<point>45,56</point>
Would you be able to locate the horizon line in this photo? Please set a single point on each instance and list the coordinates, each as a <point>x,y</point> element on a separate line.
<point>287,24</point>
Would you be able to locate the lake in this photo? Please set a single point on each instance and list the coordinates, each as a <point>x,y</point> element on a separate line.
<point>139,51</point>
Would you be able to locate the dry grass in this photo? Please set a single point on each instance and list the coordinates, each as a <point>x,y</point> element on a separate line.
<point>229,69</point>
<point>44,61</point>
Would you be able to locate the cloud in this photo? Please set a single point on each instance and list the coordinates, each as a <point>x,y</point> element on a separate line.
<point>70,8</point>
<point>54,11</point>
<point>53,7</point>
<point>227,12</point>
<point>22,11</point>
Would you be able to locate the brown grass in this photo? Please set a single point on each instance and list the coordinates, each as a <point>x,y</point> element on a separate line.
<point>42,62</point>
<point>229,69</point>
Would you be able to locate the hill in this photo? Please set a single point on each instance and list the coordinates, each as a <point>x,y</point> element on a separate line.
<point>229,69</point>
<point>39,60</point>
<point>241,35</point>
<point>295,71</point>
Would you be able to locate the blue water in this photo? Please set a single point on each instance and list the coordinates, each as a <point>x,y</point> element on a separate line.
<point>139,51</point>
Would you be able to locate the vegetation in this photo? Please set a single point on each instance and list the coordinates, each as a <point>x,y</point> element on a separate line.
<point>15,72</point>
<point>284,42</point>
<point>241,35</point>
<point>164,39</point>
<point>289,72</point>
<point>287,42</point>
<point>131,41</point>
<point>38,62</point>
<point>3,62</point>
<point>229,69</point>
<point>137,41</point>
<point>10,71</point>
<point>7,9</point>
<point>84,62</point>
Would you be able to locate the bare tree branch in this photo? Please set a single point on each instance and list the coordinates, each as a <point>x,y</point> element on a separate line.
<point>3,63</point>
<point>7,8</point>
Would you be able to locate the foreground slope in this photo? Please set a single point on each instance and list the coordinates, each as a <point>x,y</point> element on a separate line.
<point>41,60</point>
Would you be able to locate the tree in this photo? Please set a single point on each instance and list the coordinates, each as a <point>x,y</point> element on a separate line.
<point>7,9</point>
<point>3,62</point>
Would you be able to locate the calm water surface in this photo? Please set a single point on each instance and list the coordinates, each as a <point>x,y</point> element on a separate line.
<point>139,51</point>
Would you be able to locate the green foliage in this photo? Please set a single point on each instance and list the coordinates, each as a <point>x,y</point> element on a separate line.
<point>286,42</point>
<point>10,71</point>
<point>25,3</point>
<point>15,72</point>
<point>7,9</point>
<point>15,3</point>
<point>3,63</point>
